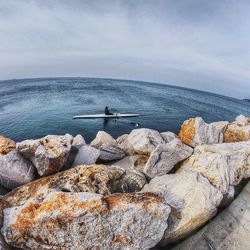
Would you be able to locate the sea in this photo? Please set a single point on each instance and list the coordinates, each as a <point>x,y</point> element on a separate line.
<point>33,108</point>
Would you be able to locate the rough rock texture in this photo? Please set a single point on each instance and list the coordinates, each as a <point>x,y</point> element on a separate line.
<point>236,132</point>
<point>86,155</point>
<point>165,156</point>
<point>110,152</point>
<point>223,165</point>
<point>87,221</point>
<point>78,141</point>
<point>193,201</point>
<point>15,170</point>
<point>196,132</point>
<point>99,179</point>
<point>6,145</point>
<point>241,120</point>
<point>168,136</point>
<point>222,125</point>
<point>143,141</point>
<point>48,154</point>
<point>101,138</point>
<point>230,229</point>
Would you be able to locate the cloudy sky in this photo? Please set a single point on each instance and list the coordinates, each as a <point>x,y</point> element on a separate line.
<point>203,44</point>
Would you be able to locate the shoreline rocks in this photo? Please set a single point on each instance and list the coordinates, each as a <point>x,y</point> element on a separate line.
<point>142,189</point>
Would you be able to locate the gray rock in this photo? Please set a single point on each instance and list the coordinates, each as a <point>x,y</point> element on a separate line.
<point>241,120</point>
<point>230,229</point>
<point>193,201</point>
<point>168,136</point>
<point>15,170</point>
<point>87,221</point>
<point>48,154</point>
<point>86,155</point>
<point>78,141</point>
<point>109,152</point>
<point>165,157</point>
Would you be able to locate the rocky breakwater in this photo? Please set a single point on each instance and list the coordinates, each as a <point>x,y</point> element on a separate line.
<point>134,192</point>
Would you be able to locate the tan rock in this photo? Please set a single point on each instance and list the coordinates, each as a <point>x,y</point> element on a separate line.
<point>230,229</point>
<point>196,132</point>
<point>48,154</point>
<point>236,133</point>
<point>101,138</point>
<point>87,221</point>
<point>168,136</point>
<point>6,145</point>
<point>99,179</point>
<point>223,165</point>
<point>193,201</point>
<point>143,141</point>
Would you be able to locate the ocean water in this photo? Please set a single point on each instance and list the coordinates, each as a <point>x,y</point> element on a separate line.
<point>33,108</point>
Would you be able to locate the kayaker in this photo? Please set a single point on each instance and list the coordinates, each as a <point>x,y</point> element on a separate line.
<point>107,112</point>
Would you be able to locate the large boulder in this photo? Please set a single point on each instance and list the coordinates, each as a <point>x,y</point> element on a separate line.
<point>99,179</point>
<point>15,170</point>
<point>142,141</point>
<point>196,132</point>
<point>230,229</point>
<point>238,131</point>
<point>6,145</point>
<point>86,155</point>
<point>78,141</point>
<point>48,154</point>
<point>193,201</point>
<point>101,138</point>
<point>87,221</point>
<point>223,164</point>
<point>166,156</point>
<point>110,152</point>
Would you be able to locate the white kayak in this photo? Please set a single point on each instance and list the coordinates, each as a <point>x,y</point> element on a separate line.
<point>103,116</point>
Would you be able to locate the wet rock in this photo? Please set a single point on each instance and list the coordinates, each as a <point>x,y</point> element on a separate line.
<point>230,229</point>
<point>223,164</point>
<point>196,132</point>
<point>168,136</point>
<point>143,141</point>
<point>48,154</point>
<point>165,157</point>
<point>109,152</point>
<point>15,170</point>
<point>6,145</point>
<point>193,201</point>
<point>99,179</point>
<point>87,221</point>
<point>78,141</point>
<point>101,138</point>
<point>86,155</point>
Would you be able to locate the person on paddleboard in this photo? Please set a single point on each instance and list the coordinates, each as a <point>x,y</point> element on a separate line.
<point>107,112</point>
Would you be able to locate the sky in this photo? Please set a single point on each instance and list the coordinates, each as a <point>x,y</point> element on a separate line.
<point>201,44</point>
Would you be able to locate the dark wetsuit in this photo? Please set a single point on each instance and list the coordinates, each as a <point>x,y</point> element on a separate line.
<point>106,111</point>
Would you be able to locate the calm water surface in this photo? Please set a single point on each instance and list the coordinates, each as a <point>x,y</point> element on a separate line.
<point>33,108</point>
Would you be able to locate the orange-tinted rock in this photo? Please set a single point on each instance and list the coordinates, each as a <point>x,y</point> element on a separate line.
<point>236,133</point>
<point>187,131</point>
<point>6,145</point>
<point>87,221</point>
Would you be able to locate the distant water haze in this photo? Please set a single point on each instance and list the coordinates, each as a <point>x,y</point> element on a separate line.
<point>33,108</point>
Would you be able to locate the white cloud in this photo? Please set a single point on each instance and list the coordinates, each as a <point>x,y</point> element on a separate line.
<point>187,43</point>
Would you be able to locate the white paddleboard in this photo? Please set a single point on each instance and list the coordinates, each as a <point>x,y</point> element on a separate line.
<point>103,116</point>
